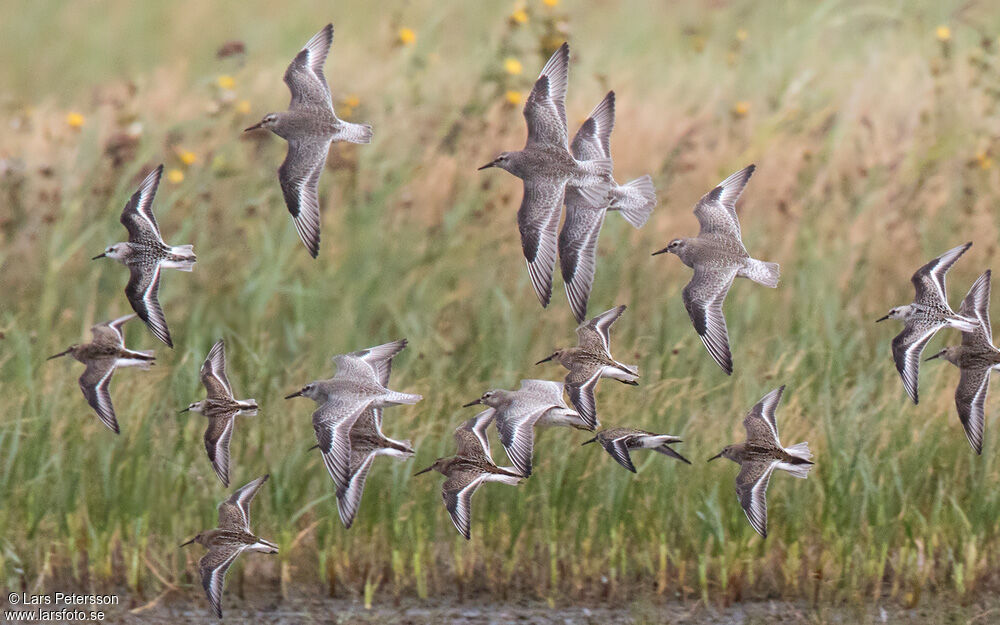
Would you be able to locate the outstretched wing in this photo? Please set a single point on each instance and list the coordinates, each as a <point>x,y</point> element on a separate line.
<point>976,305</point>
<point>143,291</point>
<point>234,513</point>
<point>760,422</point>
<point>906,350</point>
<point>703,298</point>
<point>618,448</point>
<point>970,399</point>
<point>137,217</point>
<point>379,358</point>
<point>218,434</point>
<point>716,210</point>
<point>94,384</point>
<point>110,332</point>
<point>751,489</point>
<point>593,139</point>
<point>538,221</point>
<point>545,108</point>
<point>578,252</point>
<point>213,372</point>
<point>304,75</point>
<point>213,566</point>
<point>457,493</point>
<point>299,178</point>
<point>595,335</point>
<point>929,280</point>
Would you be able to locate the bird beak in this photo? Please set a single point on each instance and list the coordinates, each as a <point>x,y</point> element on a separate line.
<point>487,166</point>
<point>98,256</point>
<point>424,471</point>
<point>313,447</point>
<point>882,319</point>
<point>937,355</point>
<point>718,455</point>
<point>187,543</point>
<point>546,359</point>
<point>254,127</point>
<point>295,394</point>
<point>663,251</point>
<point>185,410</point>
<point>60,354</point>
<point>593,440</point>
<point>472,403</point>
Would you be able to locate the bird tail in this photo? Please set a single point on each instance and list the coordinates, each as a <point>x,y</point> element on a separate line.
<point>249,407</point>
<point>762,272</point>
<point>964,324</point>
<point>181,258</point>
<point>355,133</point>
<point>635,200</point>
<point>402,398</point>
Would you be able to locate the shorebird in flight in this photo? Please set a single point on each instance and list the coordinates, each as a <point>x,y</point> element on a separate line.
<point>922,319</point>
<point>105,353</point>
<point>309,126</point>
<point>145,254</point>
<point>618,441</point>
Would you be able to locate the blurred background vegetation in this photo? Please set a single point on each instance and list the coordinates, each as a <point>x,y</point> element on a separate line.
<point>875,129</point>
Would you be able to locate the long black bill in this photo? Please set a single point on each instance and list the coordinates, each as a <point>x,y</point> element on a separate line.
<point>593,440</point>
<point>937,355</point>
<point>472,403</point>
<point>295,394</point>
<point>882,319</point>
<point>486,166</point>
<point>718,455</point>
<point>658,252</point>
<point>430,468</point>
<point>98,256</point>
<point>188,542</point>
<point>545,359</point>
<point>185,410</point>
<point>254,127</point>
<point>60,354</point>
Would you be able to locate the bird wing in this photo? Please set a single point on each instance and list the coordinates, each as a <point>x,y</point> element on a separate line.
<point>304,75</point>
<point>110,332</point>
<point>234,513</point>
<point>929,280</point>
<point>618,448</point>
<point>595,335</point>
<point>545,108</point>
<point>578,251</point>
<point>457,493</point>
<point>906,349</point>
<point>538,221</point>
<point>703,298</point>
<point>516,426</point>
<point>970,399</point>
<point>716,210</point>
<point>218,434</point>
<point>379,358</point>
<point>143,291</point>
<point>137,217</point>
<point>976,305</point>
<point>332,423</point>
<point>580,387</point>
<point>299,177</point>
<point>760,422</point>
<point>472,438</point>
<point>94,384</point>
<point>213,372</point>
<point>593,139</point>
<point>349,497</point>
<point>751,489</point>
<point>213,566</point>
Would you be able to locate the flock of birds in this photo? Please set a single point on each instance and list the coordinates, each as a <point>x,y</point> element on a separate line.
<point>555,172</point>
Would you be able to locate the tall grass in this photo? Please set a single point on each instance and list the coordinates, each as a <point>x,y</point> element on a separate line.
<point>874,143</point>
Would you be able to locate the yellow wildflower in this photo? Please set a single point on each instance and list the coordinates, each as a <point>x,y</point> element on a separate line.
<point>351,100</point>
<point>187,157</point>
<point>512,66</point>
<point>243,107</point>
<point>550,3</point>
<point>513,97</point>
<point>741,108</point>
<point>742,34</point>
<point>983,160</point>
<point>175,176</point>
<point>226,82</point>
<point>74,120</point>
<point>943,33</point>
<point>519,16</point>
<point>407,36</point>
